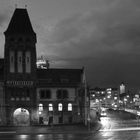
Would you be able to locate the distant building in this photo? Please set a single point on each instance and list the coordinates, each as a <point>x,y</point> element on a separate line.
<point>37,95</point>
<point>104,97</point>
<point>122,89</point>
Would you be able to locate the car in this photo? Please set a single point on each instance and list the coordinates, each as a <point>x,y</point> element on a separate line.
<point>103,114</point>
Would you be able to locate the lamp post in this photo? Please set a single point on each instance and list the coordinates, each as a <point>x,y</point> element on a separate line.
<point>125,100</point>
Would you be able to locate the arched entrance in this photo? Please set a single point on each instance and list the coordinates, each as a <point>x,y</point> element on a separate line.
<point>21,117</point>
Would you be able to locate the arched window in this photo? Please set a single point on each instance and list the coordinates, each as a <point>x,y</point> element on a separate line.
<point>69,107</point>
<point>40,107</point>
<point>50,107</point>
<point>60,107</point>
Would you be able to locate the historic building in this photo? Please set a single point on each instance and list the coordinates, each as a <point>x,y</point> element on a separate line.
<point>32,95</point>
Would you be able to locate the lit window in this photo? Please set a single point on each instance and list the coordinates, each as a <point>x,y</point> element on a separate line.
<point>115,98</point>
<point>40,107</point>
<point>102,92</point>
<point>60,107</point>
<point>97,101</point>
<point>125,99</point>
<point>108,96</point>
<point>69,107</point>
<point>109,92</point>
<point>50,107</point>
<point>127,96</point>
<point>93,95</point>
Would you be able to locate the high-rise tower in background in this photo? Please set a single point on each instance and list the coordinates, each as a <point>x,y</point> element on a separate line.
<point>122,88</point>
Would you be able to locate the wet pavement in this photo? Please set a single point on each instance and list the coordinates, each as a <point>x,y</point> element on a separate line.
<point>118,125</point>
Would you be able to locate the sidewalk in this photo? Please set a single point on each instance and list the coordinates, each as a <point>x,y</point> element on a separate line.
<point>61,129</point>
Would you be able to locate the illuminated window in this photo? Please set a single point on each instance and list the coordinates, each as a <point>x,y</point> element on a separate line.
<point>40,107</point>
<point>93,95</point>
<point>102,92</point>
<point>109,92</point>
<point>97,101</point>
<point>69,107</point>
<point>108,96</point>
<point>50,107</point>
<point>60,107</point>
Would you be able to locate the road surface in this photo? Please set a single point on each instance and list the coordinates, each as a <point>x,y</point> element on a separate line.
<point>118,125</point>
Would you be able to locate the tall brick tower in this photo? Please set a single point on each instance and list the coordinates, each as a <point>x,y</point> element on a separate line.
<point>20,64</point>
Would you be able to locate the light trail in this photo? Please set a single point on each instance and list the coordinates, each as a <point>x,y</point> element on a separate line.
<point>121,129</point>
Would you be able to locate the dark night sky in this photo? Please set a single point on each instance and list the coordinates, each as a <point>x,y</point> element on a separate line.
<point>102,35</point>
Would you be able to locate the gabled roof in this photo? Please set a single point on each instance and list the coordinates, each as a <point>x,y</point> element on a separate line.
<point>20,23</point>
<point>55,77</point>
<point>1,69</point>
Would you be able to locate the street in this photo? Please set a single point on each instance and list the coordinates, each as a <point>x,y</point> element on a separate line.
<point>117,125</point>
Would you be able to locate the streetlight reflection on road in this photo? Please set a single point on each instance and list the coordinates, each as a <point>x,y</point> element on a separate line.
<point>41,137</point>
<point>104,121</point>
<point>23,137</point>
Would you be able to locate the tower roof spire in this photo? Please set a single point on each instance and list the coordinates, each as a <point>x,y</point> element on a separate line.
<point>20,23</point>
<point>20,4</point>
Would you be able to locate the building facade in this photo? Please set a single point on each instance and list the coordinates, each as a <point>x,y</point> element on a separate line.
<point>33,95</point>
<point>104,97</point>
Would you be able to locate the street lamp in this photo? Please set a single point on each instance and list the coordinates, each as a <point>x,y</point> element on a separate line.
<point>125,100</point>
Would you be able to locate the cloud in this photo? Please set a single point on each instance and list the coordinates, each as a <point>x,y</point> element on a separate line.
<point>105,39</point>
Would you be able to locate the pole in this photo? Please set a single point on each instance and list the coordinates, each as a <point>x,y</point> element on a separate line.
<point>85,92</point>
